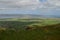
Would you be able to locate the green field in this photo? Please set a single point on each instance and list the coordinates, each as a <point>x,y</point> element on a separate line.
<point>30,29</point>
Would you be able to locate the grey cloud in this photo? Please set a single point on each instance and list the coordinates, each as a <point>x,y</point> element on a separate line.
<point>12,4</point>
<point>22,4</point>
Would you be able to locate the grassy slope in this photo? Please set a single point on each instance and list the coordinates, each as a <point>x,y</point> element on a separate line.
<point>38,34</point>
<point>48,32</point>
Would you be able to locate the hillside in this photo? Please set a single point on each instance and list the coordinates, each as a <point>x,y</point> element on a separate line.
<point>29,29</point>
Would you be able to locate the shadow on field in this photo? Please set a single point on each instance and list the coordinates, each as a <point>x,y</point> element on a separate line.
<point>14,24</point>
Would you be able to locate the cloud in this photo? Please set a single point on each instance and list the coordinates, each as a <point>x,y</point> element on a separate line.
<point>30,4</point>
<point>20,4</point>
<point>54,2</point>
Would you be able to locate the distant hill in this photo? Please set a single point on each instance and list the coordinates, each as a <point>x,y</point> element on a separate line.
<point>27,16</point>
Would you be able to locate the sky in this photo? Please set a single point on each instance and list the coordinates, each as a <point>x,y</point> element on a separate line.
<point>41,7</point>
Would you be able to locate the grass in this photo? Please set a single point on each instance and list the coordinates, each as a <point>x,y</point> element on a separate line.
<point>14,29</point>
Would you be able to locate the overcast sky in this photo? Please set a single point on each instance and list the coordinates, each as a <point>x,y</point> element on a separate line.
<point>45,7</point>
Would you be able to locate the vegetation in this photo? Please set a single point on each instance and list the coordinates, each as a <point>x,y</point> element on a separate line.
<point>29,29</point>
